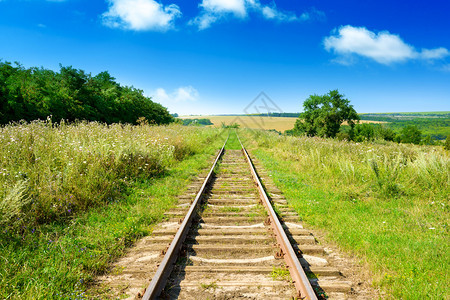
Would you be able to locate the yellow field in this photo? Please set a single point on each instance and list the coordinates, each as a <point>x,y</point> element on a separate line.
<point>253,122</point>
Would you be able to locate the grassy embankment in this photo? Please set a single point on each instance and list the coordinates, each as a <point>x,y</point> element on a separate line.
<point>73,197</point>
<point>386,204</point>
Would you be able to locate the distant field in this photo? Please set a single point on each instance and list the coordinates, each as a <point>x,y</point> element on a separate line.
<point>277,123</point>
<point>429,114</point>
<point>435,124</point>
<point>255,122</point>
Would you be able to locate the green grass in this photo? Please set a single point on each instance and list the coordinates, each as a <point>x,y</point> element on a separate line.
<point>395,219</point>
<point>230,209</point>
<point>233,142</point>
<point>213,285</point>
<point>280,274</point>
<point>61,258</point>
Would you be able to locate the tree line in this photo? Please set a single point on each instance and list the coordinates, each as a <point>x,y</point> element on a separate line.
<point>197,122</point>
<point>72,94</point>
<point>277,114</point>
<point>324,115</point>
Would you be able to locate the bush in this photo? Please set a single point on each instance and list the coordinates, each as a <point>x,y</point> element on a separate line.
<point>364,132</point>
<point>411,135</point>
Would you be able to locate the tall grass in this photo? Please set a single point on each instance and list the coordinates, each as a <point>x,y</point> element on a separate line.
<point>75,197</point>
<point>52,171</point>
<point>387,203</point>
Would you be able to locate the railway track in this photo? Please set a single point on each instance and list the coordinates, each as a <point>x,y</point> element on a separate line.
<point>227,241</point>
<point>224,241</point>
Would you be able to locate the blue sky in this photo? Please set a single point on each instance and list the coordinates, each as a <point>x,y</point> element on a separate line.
<point>216,56</point>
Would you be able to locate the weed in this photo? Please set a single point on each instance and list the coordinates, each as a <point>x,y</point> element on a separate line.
<point>212,285</point>
<point>280,274</point>
<point>387,178</point>
<point>230,209</point>
<point>277,210</point>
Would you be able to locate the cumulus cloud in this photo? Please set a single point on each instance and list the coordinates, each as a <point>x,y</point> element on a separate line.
<point>182,94</point>
<point>215,10</point>
<point>140,15</point>
<point>383,47</point>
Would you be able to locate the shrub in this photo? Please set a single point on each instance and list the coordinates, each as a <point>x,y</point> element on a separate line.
<point>411,135</point>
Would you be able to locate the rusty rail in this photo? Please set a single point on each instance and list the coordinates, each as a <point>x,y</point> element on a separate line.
<point>300,280</point>
<point>165,268</point>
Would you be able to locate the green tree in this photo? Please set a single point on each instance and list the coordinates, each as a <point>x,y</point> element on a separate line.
<point>324,115</point>
<point>72,94</point>
<point>385,133</point>
<point>428,140</point>
<point>411,135</point>
<point>364,132</point>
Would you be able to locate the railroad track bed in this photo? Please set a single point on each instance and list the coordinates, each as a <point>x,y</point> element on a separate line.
<point>230,250</point>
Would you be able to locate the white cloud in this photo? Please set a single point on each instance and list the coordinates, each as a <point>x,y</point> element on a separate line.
<point>446,68</point>
<point>203,21</point>
<point>312,14</point>
<point>237,7</point>
<point>215,10</point>
<point>383,47</point>
<point>140,15</point>
<point>271,13</point>
<point>437,53</point>
<point>182,94</point>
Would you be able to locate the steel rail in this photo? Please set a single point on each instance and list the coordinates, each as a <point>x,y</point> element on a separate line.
<point>165,268</point>
<point>300,280</point>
